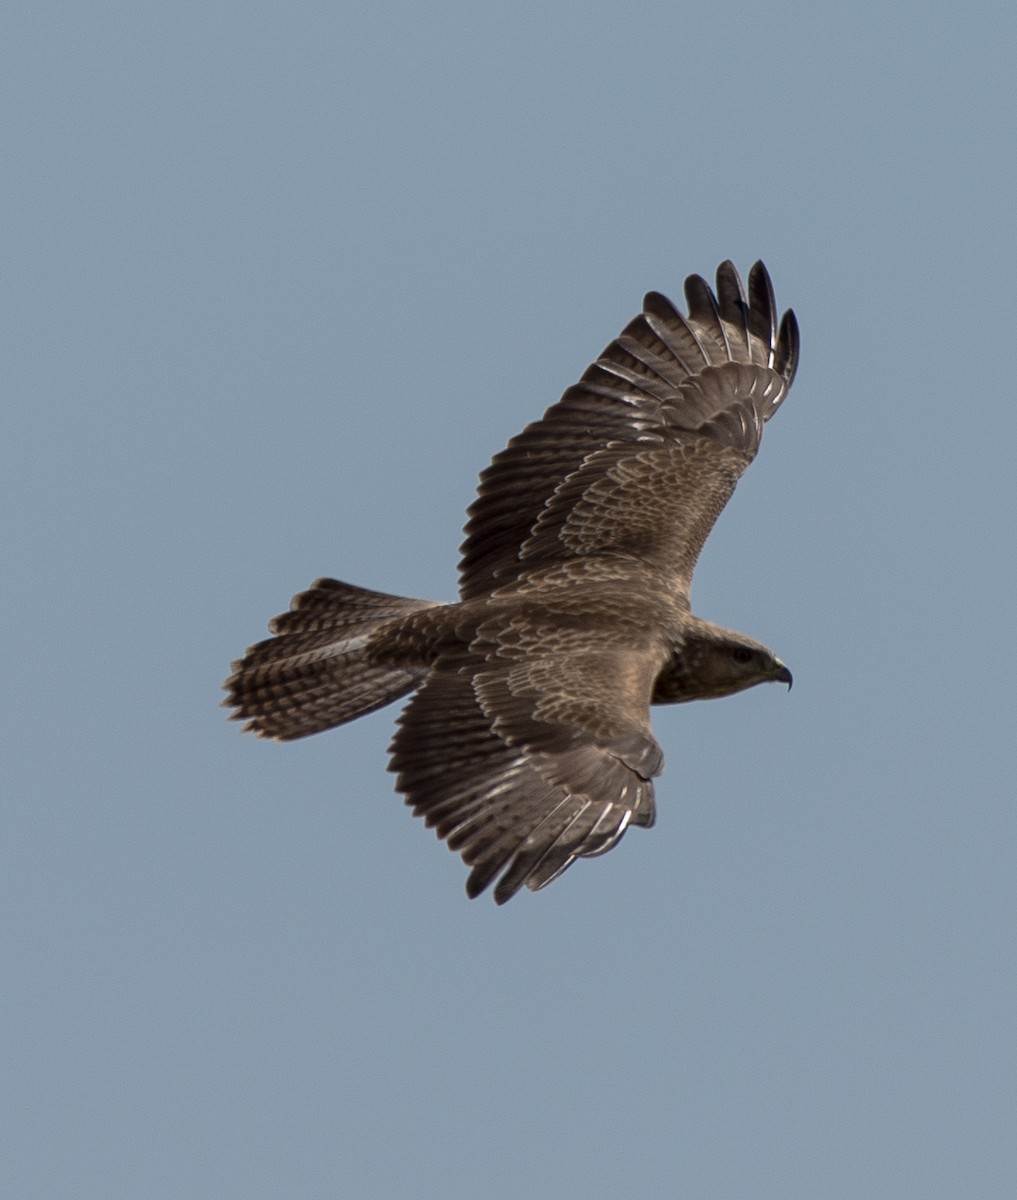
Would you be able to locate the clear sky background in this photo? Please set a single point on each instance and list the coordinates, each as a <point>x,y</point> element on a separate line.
<point>277,280</point>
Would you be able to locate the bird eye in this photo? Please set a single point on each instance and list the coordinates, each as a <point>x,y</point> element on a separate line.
<point>742,655</point>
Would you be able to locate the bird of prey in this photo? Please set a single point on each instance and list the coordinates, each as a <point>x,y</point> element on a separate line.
<point>527,743</point>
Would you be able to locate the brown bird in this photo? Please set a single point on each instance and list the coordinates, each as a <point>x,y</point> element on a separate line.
<point>527,743</point>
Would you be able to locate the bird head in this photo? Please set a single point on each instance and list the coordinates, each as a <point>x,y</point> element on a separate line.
<point>709,662</point>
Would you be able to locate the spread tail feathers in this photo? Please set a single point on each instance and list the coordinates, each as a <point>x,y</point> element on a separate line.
<point>316,672</point>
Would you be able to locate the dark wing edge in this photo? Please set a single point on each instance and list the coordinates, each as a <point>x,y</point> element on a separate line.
<point>652,379</point>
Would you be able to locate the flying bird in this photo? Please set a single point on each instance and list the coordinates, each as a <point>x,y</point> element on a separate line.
<point>527,743</point>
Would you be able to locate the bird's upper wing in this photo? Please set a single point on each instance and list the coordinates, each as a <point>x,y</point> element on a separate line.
<point>527,765</point>
<point>639,457</point>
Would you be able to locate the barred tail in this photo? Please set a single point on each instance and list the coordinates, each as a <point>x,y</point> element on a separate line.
<point>315,673</point>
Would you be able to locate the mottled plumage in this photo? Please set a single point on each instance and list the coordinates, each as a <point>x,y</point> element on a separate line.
<point>527,743</point>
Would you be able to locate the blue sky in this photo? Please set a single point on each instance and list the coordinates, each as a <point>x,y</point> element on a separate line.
<point>278,280</point>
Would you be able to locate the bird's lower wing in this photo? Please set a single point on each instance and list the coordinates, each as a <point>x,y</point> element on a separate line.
<point>506,766</point>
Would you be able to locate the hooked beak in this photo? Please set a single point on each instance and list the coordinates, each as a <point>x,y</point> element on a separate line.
<point>782,674</point>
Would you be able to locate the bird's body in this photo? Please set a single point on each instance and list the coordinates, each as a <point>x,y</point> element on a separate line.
<point>527,742</point>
